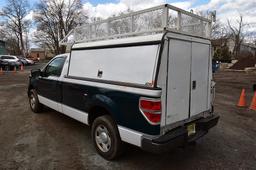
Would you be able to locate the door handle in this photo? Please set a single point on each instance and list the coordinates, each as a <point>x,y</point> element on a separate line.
<point>193,85</point>
<point>100,72</point>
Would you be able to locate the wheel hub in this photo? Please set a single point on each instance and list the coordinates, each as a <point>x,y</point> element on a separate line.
<point>102,138</point>
<point>32,101</point>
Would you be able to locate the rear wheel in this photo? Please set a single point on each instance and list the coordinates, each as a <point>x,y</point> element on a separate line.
<point>106,138</point>
<point>34,103</point>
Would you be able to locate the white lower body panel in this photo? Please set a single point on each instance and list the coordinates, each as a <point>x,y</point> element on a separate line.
<point>126,134</point>
<point>69,111</point>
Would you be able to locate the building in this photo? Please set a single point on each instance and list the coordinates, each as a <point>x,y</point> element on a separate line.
<point>37,53</point>
<point>2,47</point>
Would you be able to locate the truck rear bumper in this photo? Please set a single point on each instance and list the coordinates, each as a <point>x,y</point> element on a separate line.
<point>179,136</point>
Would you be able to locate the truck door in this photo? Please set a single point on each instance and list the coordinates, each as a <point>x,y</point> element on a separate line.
<point>49,85</point>
<point>178,81</point>
<point>200,78</point>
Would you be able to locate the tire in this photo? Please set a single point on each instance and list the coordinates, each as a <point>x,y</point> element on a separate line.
<point>34,103</point>
<point>106,138</point>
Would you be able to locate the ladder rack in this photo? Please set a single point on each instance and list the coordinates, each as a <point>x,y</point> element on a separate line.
<point>144,22</point>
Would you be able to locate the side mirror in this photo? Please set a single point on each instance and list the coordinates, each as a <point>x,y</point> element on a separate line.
<point>36,73</point>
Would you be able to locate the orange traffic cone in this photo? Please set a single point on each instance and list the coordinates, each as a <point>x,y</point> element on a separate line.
<point>1,71</point>
<point>242,100</point>
<point>21,67</point>
<point>253,103</point>
<point>14,70</point>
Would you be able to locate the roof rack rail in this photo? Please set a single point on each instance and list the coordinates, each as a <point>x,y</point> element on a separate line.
<point>144,22</point>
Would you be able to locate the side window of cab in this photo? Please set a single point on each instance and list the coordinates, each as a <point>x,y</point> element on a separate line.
<point>54,68</point>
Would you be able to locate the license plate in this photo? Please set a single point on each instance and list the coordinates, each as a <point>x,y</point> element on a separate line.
<point>191,129</point>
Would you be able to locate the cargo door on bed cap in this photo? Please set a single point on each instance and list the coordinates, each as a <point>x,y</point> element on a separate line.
<point>178,81</point>
<point>200,78</point>
<point>187,80</point>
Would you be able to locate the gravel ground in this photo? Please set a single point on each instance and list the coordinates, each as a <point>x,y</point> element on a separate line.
<point>51,140</point>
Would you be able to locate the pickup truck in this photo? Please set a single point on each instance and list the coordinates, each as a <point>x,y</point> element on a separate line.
<point>155,91</point>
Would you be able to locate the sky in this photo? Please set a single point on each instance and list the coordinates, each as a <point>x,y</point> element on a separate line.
<point>226,9</point>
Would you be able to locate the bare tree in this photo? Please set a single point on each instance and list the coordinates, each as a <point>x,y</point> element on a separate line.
<point>14,14</point>
<point>220,30</point>
<point>55,19</point>
<point>11,40</point>
<point>237,34</point>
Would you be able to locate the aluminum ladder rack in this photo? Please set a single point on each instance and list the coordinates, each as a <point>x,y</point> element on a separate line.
<point>144,22</point>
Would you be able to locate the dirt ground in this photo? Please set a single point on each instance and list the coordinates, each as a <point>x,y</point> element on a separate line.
<point>51,140</point>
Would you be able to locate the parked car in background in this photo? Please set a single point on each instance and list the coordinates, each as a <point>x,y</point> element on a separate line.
<point>23,60</point>
<point>30,62</point>
<point>13,61</point>
<point>3,64</point>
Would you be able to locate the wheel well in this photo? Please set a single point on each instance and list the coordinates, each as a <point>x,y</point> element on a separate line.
<point>96,112</point>
<point>30,87</point>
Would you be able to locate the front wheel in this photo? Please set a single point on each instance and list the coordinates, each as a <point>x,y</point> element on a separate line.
<point>106,138</point>
<point>34,103</point>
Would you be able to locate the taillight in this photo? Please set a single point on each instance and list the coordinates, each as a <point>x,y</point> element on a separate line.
<point>151,110</point>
